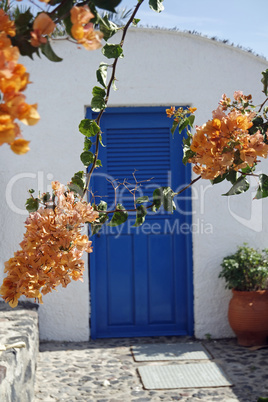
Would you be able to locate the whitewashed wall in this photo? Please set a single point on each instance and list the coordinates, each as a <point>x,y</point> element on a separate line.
<point>159,68</point>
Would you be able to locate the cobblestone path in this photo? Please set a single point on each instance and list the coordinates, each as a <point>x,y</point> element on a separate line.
<point>105,371</point>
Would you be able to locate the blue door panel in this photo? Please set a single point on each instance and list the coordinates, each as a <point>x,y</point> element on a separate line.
<point>141,278</point>
<point>120,298</point>
<point>161,280</point>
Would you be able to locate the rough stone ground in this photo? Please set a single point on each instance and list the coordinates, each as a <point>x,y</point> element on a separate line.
<point>105,371</point>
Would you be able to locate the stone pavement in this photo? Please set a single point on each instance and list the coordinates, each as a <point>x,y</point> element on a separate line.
<point>105,371</point>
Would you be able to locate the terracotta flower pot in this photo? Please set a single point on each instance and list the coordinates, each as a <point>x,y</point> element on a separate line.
<point>248,317</point>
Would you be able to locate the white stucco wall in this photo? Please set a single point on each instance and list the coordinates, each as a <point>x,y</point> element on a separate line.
<point>159,68</point>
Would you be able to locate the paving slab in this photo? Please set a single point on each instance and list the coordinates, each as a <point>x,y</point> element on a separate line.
<point>170,351</point>
<point>197,375</point>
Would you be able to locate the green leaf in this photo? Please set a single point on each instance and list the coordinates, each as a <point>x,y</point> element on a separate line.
<point>98,163</point>
<point>32,204</point>
<point>31,191</point>
<point>108,5</point>
<point>262,190</point>
<point>98,103</point>
<point>135,21</point>
<point>112,51</point>
<point>119,217</point>
<point>46,197</point>
<point>87,158</point>
<point>89,127</point>
<point>23,21</point>
<point>114,86</point>
<point>232,176</point>
<point>77,184</point>
<point>47,50</point>
<point>87,144</point>
<point>108,28</point>
<point>102,74</point>
<point>140,200</point>
<point>97,225</point>
<point>157,198</point>
<point>97,91</point>
<point>240,186</point>
<point>258,120</point>
<point>168,203</point>
<point>191,119</point>
<point>218,179</point>
<point>156,5</point>
<point>68,24</point>
<point>100,140</point>
<point>140,217</point>
<point>164,195</point>
<point>249,169</point>
<point>25,47</point>
<point>187,152</point>
<point>102,206</point>
<point>183,124</point>
<point>174,126</point>
<point>153,208</point>
<point>264,80</point>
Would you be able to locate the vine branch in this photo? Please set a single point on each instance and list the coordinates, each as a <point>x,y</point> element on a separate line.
<point>89,174</point>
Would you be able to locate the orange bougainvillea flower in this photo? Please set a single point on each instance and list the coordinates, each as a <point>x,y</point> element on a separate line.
<point>52,248</point>
<point>81,15</point>
<point>6,25</point>
<point>170,112</point>
<point>8,129</point>
<point>192,109</point>
<point>248,155</point>
<point>43,25</point>
<point>17,107</point>
<point>20,146</point>
<point>91,39</point>
<point>77,31</point>
<point>17,82</point>
<point>256,142</point>
<point>82,30</point>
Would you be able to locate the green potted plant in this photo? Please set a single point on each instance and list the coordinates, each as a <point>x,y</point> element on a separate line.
<point>246,273</point>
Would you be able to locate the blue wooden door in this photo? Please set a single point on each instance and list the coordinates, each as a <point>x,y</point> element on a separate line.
<point>141,278</point>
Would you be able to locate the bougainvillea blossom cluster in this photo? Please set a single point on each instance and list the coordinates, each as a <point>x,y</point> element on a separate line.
<point>224,143</point>
<point>13,81</point>
<point>52,248</point>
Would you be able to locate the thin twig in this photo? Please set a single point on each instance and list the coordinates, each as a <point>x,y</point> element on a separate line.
<point>189,185</point>
<point>150,206</point>
<point>113,183</point>
<point>62,3</point>
<point>263,103</point>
